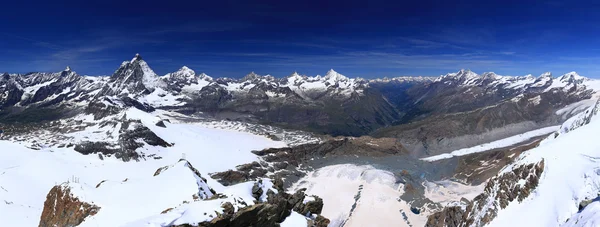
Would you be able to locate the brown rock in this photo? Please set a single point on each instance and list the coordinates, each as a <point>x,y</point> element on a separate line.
<point>63,209</point>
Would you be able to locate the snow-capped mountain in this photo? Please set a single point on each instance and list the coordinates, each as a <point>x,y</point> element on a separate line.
<point>227,143</point>
<point>132,78</point>
<point>331,104</point>
<point>463,109</point>
<point>558,180</point>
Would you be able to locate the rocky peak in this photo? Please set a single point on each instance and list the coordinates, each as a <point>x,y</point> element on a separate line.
<point>132,77</point>
<point>67,69</point>
<point>572,77</point>
<point>332,76</point>
<point>251,76</point>
<point>546,75</point>
<point>137,57</point>
<point>184,73</point>
<point>489,76</point>
<point>466,74</point>
<point>186,70</point>
<point>205,77</point>
<point>5,76</point>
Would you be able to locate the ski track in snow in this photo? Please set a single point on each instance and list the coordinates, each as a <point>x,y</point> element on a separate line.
<point>378,204</point>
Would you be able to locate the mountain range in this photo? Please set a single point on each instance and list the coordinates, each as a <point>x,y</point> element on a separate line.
<point>428,115</point>
<point>188,149</point>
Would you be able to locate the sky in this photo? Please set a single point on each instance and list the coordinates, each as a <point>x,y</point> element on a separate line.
<point>356,38</point>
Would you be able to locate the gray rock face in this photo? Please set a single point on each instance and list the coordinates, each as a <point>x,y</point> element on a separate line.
<point>498,193</point>
<point>268,214</point>
<point>134,77</point>
<point>127,143</point>
<point>448,217</point>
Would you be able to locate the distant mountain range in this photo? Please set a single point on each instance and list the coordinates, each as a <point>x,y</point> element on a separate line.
<point>429,115</point>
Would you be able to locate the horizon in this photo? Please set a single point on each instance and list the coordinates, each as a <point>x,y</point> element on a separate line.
<point>233,38</point>
<point>300,73</point>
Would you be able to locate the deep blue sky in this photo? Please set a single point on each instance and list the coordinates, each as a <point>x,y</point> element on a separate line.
<point>357,38</point>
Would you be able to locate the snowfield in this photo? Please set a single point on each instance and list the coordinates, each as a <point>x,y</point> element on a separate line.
<point>26,175</point>
<point>377,192</point>
<point>571,175</point>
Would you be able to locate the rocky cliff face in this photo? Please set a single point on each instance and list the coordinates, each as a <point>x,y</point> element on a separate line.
<point>64,209</point>
<point>268,214</point>
<point>514,185</point>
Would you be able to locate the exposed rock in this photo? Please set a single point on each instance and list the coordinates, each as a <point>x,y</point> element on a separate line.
<point>257,190</point>
<point>231,177</point>
<point>128,142</point>
<point>448,217</point>
<point>498,193</point>
<point>314,206</point>
<point>63,209</point>
<point>320,221</point>
<point>98,185</point>
<point>268,214</point>
<point>161,124</point>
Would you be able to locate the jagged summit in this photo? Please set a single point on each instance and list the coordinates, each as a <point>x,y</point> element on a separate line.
<point>573,77</point>
<point>332,76</point>
<point>137,57</point>
<point>251,76</point>
<point>185,71</point>
<point>546,75</point>
<point>67,69</point>
<point>134,77</point>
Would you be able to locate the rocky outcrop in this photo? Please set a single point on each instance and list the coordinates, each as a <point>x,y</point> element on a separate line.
<point>313,206</point>
<point>266,214</point>
<point>514,185</point>
<point>63,209</point>
<point>448,217</point>
<point>128,142</point>
<point>204,190</point>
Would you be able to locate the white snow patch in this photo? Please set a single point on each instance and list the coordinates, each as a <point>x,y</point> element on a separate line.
<point>495,144</point>
<point>378,204</point>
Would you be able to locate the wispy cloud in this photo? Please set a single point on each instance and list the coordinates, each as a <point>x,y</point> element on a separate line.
<point>198,28</point>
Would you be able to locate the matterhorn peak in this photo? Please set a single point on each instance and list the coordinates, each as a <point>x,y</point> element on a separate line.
<point>68,69</point>
<point>137,57</point>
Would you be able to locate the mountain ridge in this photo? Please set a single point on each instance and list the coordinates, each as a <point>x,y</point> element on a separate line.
<point>332,104</point>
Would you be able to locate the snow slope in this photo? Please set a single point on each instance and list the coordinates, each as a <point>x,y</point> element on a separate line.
<point>571,175</point>
<point>27,175</point>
